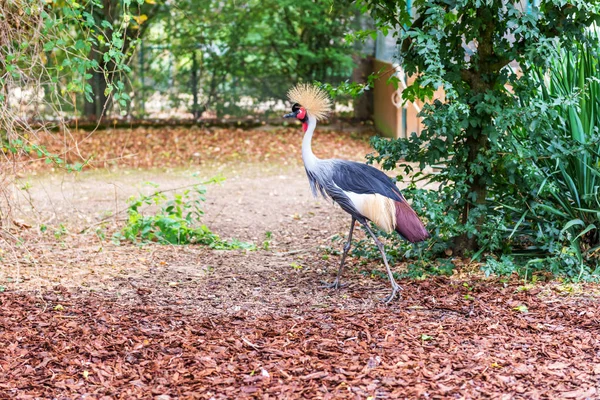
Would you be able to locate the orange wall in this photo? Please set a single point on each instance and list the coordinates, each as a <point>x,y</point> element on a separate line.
<point>385,114</point>
<point>389,120</point>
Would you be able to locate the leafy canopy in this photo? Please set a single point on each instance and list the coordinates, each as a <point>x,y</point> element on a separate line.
<point>227,51</point>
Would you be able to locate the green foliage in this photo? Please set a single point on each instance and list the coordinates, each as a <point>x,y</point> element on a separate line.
<point>60,231</point>
<point>347,88</point>
<point>104,35</point>
<point>569,159</point>
<point>505,266</point>
<point>556,204</point>
<point>416,269</point>
<point>267,242</point>
<point>177,221</point>
<point>521,308</point>
<point>19,145</point>
<point>226,52</point>
<point>551,202</point>
<point>296,266</point>
<point>463,47</point>
<point>100,233</point>
<point>60,47</point>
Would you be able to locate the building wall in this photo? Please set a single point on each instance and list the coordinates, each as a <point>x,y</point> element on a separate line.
<point>385,114</point>
<point>392,118</point>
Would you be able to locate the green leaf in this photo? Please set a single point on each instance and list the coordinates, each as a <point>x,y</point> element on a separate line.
<point>80,44</point>
<point>49,46</point>
<point>521,308</point>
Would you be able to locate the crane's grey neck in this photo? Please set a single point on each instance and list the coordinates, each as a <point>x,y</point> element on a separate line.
<point>309,158</point>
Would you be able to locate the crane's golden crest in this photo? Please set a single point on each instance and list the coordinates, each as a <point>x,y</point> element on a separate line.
<point>316,102</point>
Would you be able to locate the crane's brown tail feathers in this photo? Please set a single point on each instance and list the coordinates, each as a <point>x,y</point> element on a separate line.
<point>408,223</point>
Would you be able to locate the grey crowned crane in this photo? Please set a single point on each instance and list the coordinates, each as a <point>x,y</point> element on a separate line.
<point>364,192</point>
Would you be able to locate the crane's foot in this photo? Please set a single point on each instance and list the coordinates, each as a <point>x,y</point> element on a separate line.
<point>395,291</point>
<point>333,285</point>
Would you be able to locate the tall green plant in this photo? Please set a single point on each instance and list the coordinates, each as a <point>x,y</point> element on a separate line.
<point>561,158</point>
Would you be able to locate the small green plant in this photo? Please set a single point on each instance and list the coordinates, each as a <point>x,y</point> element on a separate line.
<point>525,288</point>
<point>100,233</point>
<point>267,242</point>
<point>178,220</point>
<point>425,338</point>
<point>21,146</point>
<point>26,186</point>
<point>521,308</point>
<point>421,268</point>
<point>60,232</point>
<point>329,250</point>
<point>296,266</point>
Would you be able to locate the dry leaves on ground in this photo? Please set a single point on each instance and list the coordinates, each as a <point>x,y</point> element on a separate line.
<point>432,344</point>
<point>148,147</point>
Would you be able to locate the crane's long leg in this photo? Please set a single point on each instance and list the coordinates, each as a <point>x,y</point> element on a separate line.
<point>395,286</point>
<point>336,284</point>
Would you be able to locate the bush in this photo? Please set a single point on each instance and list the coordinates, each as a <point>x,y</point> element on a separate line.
<point>542,209</point>
<point>463,48</point>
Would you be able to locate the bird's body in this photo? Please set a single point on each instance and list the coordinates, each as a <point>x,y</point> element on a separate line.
<point>361,190</point>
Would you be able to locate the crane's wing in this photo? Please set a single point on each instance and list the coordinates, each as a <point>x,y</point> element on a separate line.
<point>363,179</point>
<point>373,194</point>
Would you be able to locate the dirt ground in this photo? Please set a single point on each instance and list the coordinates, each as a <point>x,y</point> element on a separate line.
<point>82,317</point>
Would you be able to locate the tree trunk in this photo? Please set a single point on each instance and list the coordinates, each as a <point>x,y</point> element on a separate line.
<point>194,83</point>
<point>363,105</point>
<point>110,12</point>
<point>476,143</point>
<point>481,79</point>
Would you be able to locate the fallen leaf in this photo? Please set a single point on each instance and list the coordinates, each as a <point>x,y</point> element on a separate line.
<point>579,393</point>
<point>558,365</point>
<point>315,375</point>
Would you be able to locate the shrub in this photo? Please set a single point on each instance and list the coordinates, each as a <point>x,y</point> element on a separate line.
<point>177,221</point>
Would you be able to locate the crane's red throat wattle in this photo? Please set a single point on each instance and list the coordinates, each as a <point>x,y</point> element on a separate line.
<point>303,117</point>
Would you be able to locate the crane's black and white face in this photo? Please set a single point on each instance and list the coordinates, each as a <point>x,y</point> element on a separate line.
<point>299,112</point>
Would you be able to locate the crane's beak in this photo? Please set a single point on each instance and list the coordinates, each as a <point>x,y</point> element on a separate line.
<point>292,114</point>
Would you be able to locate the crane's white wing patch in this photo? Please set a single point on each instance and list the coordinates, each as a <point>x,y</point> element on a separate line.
<point>379,209</point>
